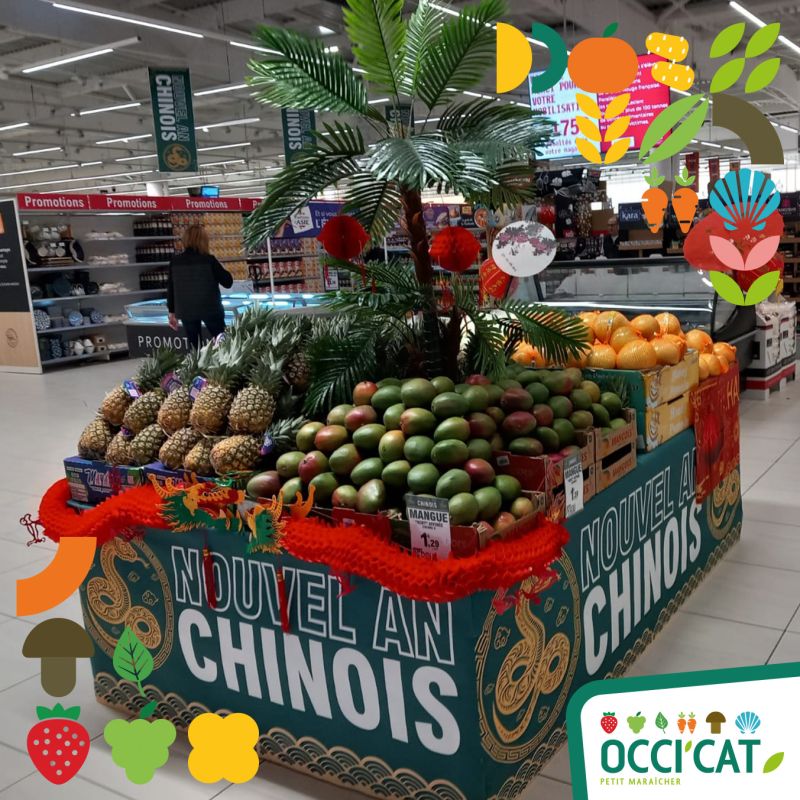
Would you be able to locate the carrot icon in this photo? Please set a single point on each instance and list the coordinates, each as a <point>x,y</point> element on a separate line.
<point>692,723</point>
<point>681,722</point>
<point>684,200</point>
<point>654,201</point>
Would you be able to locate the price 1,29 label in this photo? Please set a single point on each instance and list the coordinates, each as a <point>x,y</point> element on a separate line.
<point>429,525</point>
<point>573,485</point>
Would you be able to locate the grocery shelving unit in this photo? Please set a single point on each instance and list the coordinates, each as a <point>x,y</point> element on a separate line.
<point>790,249</point>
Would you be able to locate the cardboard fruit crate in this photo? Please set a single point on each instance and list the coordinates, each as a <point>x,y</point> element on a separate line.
<point>665,421</point>
<point>543,474</point>
<point>91,482</point>
<point>615,452</point>
<point>465,540</point>
<point>650,388</point>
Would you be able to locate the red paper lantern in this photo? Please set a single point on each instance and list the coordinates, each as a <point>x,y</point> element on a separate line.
<point>343,237</point>
<point>547,215</point>
<point>455,249</point>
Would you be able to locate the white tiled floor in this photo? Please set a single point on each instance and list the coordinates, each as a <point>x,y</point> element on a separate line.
<point>746,612</point>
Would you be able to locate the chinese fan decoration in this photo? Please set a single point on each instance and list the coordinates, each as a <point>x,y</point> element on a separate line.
<point>456,249</point>
<point>741,235</point>
<point>523,248</point>
<point>343,237</point>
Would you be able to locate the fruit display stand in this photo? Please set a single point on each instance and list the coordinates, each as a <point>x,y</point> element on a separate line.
<point>389,674</point>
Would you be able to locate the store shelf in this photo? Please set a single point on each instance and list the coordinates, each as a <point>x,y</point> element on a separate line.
<point>86,240</point>
<point>77,328</point>
<point>54,362</point>
<point>73,267</point>
<point>278,281</point>
<point>83,298</point>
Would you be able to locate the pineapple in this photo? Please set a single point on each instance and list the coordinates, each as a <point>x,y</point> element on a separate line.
<point>235,454</point>
<point>198,459</point>
<point>298,371</point>
<point>174,412</point>
<point>283,433</point>
<point>118,452</point>
<point>174,450</point>
<point>143,411</point>
<point>254,406</point>
<point>95,439</point>
<point>153,368</point>
<point>232,358</point>
<point>145,445</point>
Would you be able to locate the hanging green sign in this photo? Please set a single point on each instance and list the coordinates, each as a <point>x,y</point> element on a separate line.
<point>173,119</point>
<point>298,130</point>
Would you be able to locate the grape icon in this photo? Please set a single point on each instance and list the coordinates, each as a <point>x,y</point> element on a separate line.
<point>139,747</point>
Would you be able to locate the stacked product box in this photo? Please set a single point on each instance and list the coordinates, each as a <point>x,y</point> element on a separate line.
<point>774,349</point>
<point>659,396</point>
<point>91,482</point>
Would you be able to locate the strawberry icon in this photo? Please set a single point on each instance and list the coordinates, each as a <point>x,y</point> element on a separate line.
<point>58,744</point>
<point>609,722</point>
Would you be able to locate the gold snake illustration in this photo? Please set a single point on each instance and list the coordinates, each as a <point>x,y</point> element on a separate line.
<point>527,671</point>
<point>108,597</point>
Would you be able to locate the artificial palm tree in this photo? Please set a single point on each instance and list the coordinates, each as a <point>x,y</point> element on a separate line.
<point>480,148</point>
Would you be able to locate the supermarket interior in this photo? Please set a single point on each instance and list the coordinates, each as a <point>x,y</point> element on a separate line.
<point>379,374</point>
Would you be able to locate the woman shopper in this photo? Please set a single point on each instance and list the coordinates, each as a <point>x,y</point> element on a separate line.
<point>193,295</point>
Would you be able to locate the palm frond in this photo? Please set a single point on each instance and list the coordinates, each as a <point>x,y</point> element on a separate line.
<point>485,338</point>
<point>471,174</point>
<point>377,34</point>
<point>375,204</point>
<point>462,54</point>
<point>416,163</point>
<point>424,26</point>
<point>338,361</point>
<point>330,159</point>
<point>299,73</point>
<point>397,274</point>
<point>512,183</point>
<point>556,334</point>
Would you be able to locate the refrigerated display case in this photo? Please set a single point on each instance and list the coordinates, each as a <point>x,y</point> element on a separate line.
<point>643,286</point>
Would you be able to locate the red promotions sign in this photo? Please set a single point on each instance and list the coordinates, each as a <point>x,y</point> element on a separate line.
<point>132,202</point>
<point>715,404</point>
<point>692,162</point>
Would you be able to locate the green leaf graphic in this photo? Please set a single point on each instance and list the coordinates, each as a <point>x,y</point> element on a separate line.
<point>132,660</point>
<point>681,135</point>
<point>762,288</point>
<point>688,746</point>
<point>773,762</point>
<point>727,288</point>
<point>661,721</point>
<point>727,75</point>
<point>762,40</point>
<point>667,119</point>
<point>147,710</point>
<point>727,40</point>
<point>763,75</point>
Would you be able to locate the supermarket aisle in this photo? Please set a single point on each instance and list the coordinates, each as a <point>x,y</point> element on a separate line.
<point>746,612</point>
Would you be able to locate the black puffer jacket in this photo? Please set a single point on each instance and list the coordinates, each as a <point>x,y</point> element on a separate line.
<point>194,281</point>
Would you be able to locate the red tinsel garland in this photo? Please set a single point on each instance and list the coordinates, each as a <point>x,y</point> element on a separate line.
<point>350,550</point>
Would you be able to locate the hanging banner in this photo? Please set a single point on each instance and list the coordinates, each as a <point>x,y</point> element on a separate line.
<point>692,162</point>
<point>298,130</point>
<point>18,347</point>
<point>734,165</point>
<point>713,170</point>
<point>173,119</point>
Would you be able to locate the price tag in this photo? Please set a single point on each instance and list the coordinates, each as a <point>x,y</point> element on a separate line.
<point>301,220</point>
<point>170,383</point>
<point>573,485</point>
<point>132,388</point>
<point>332,280</point>
<point>429,524</point>
<point>198,384</point>
<point>268,445</point>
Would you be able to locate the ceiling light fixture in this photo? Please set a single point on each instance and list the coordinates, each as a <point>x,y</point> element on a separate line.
<point>80,55</point>
<point>761,24</point>
<point>76,180</point>
<point>223,163</point>
<point>23,153</point>
<point>125,139</point>
<point>87,111</point>
<point>324,30</point>
<point>788,128</point>
<point>136,158</point>
<point>379,100</point>
<point>223,146</point>
<point>91,163</point>
<point>130,20</point>
<point>334,48</point>
<point>734,149</point>
<point>14,125</point>
<point>234,88</point>
<point>38,169</point>
<point>246,121</point>
<point>254,47</point>
<point>708,144</point>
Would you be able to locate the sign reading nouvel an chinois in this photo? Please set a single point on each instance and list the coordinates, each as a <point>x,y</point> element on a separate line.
<point>173,119</point>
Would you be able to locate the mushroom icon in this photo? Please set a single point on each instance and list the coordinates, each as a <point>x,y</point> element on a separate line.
<point>715,720</point>
<point>58,642</point>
